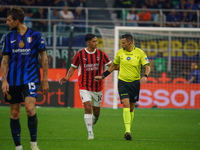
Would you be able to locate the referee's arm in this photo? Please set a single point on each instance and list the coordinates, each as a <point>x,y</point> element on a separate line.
<point>147,69</point>
<point>107,72</point>
<point>113,67</point>
<point>143,80</point>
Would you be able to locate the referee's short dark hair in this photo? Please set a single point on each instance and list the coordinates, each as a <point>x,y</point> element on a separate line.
<point>128,37</point>
<point>16,13</point>
<point>89,36</point>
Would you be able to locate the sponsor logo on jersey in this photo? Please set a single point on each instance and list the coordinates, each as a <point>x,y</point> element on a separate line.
<point>22,51</point>
<point>91,67</point>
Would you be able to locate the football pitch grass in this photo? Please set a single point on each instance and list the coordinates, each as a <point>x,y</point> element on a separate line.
<point>64,129</point>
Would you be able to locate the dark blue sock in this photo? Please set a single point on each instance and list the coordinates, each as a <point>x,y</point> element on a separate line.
<point>15,130</point>
<point>32,125</point>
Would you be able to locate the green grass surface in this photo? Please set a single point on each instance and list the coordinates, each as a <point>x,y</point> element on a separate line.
<point>64,129</point>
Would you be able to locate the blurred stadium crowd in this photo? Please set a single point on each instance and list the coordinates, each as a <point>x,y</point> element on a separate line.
<point>177,13</point>
<point>165,13</point>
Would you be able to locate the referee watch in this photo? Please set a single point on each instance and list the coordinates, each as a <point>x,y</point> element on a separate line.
<point>146,76</point>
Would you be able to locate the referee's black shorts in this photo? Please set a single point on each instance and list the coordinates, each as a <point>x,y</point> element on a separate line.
<point>129,90</point>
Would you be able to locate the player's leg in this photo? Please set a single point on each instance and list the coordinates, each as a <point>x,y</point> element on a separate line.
<point>14,97</point>
<point>134,97</point>
<point>15,124</point>
<point>126,114</point>
<point>123,88</point>
<point>132,106</point>
<point>30,94</point>
<point>127,118</point>
<point>88,119</point>
<point>86,100</point>
<point>95,116</point>
<point>96,103</point>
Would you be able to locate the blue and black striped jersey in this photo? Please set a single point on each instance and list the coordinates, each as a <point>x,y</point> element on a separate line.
<point>23,51</point>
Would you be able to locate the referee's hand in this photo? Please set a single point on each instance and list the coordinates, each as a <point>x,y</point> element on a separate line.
<point>97,78</point>
<point>143,80</point>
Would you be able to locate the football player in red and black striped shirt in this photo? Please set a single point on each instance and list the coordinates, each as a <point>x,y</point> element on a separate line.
<point>89,62</point>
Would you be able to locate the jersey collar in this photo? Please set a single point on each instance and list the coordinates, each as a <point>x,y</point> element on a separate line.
<point>90,52</point>
<point>133,47</point>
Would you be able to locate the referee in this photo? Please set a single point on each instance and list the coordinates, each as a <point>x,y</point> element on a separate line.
<point>130,59</point>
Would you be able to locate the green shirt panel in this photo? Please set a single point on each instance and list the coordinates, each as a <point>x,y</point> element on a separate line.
<point>130,63</point>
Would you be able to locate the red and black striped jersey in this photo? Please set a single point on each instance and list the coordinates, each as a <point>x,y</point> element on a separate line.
<point>90,64</point>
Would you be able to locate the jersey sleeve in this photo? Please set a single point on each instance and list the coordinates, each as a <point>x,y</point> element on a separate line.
<point>106,59</point>
<point>5,49</point>
<point>195,73</point>
<point>117,59</point>
<point>144,59</point>
<point>40,43</point>
<point>76,61</point>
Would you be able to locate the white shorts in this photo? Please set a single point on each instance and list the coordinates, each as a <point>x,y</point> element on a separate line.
<point>94,97</point>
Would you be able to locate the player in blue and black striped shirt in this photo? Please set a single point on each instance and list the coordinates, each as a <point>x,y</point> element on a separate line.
<point>20,51</point>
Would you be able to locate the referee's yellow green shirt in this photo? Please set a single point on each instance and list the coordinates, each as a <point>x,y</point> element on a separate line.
<point>130,63</point>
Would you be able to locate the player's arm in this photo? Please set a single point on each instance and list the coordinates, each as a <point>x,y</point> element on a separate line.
<point>4,68</point>
<point>45,84</point>
<point>107,72</point>
<point>191,80</point>
<point>69,74</point>
<point>143,80</point>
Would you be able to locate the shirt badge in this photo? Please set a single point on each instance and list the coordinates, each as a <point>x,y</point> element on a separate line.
<point>21,44</point>
<point>147,60</point>
<point>29,39</point>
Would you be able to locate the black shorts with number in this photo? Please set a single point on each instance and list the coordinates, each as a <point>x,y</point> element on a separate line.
<point>17,94</point>
<point>129,90</point>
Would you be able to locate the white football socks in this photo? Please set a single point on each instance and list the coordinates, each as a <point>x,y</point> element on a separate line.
<point>88,122</point>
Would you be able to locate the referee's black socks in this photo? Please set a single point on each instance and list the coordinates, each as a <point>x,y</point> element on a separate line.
<point>15,130</point>
<point>32,125</point>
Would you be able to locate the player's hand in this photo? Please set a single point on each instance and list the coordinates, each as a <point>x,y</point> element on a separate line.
<point>63,80</point>
<point>97,78</point>
<point>45,87</point>
<point>5,87</point>
<point>143,80</point>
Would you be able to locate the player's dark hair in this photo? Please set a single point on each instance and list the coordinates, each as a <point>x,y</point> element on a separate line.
<point>16,13</point>
<point>128,37</point>
<point>89,36</point>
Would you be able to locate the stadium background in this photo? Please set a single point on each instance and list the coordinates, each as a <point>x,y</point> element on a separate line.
<point>61,52</point>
